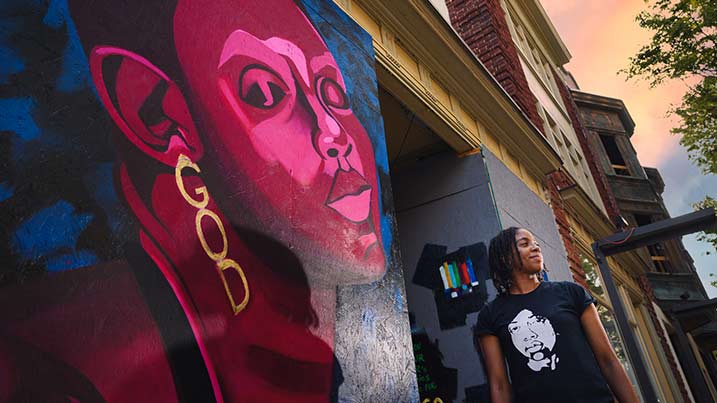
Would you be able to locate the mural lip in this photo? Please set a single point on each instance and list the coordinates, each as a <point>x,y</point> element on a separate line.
<point>346,183</point>
<point>350,195</point>
<point>356,207</point>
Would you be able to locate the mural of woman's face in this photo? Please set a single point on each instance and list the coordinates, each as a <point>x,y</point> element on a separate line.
<point>532,335</point>
<point>282,143</point>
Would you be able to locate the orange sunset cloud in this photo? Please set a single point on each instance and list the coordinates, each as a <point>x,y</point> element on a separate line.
<point>601,35</point>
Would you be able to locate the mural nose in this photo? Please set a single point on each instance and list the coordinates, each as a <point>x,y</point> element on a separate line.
<point>333,141</point>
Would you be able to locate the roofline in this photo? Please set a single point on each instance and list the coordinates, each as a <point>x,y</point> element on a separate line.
<point>606,103</point>
<point>545,28</point>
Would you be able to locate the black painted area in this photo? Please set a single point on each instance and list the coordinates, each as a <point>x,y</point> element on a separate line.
<point>444,203</point>
<point>453,310</point>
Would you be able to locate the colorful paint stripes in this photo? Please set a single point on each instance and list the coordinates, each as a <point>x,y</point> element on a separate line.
<point>458,277</point>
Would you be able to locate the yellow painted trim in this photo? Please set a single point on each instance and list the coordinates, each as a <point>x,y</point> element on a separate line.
<point>535,19</point>
<point>650,338</point>
<point>424,63</point>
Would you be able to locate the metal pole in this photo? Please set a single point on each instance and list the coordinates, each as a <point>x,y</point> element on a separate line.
<point>628,337</point>
<point>670,228</point>
<point>695,377</point>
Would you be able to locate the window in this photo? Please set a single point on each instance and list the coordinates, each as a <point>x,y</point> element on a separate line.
<point>521,38</point>
<point>586,169</point>
<point>594,280</point>
<point>554,134</point>
<point>642,219</point>
<point>656,250</point>
<point>551,79</point>
<point>533,55</point>
<point>614,155</point>
<point>571,151</point>
<point>592,277</point>
<point>608,322</point>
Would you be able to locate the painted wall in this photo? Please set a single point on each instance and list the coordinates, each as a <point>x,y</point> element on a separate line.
<point>195,206</point>
<point>444,205</point>
<point>520,207</point>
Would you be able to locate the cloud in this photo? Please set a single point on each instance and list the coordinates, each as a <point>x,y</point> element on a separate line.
<point>601,36</point>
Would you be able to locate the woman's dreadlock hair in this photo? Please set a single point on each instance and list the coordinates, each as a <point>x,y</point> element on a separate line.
<point>503,258</point>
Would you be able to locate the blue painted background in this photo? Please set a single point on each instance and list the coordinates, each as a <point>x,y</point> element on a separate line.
<point>59,207</point>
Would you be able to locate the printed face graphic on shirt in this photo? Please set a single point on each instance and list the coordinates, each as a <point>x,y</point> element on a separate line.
<point>534,336</point>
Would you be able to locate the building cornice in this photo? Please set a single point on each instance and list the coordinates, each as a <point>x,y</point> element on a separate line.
<point>545,31</point>
<point>608,104</point>
<point>583,208</point>
<point>424,62</point>
<point>598,226</point>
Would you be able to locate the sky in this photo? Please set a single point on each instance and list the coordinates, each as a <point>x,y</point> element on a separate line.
<point>601,35</point>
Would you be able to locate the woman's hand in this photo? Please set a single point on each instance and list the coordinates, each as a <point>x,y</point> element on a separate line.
<point>610,366</point>
<point>500,391</point>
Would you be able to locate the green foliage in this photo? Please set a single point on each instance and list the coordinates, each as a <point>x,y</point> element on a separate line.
<point>698,127</point>
<point>684,46</point>
<point>683,41</point>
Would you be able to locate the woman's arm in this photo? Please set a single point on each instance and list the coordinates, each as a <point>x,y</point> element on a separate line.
<point>607,360</point>
<point>495,366</point>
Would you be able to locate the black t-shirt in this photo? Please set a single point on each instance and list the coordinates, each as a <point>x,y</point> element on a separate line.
<point>543,341</point>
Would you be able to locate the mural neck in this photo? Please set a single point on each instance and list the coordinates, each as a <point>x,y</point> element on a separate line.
<point>236,287</point>
<point>323,301</point>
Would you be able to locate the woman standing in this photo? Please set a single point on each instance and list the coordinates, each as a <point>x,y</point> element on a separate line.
<point>548,332</point>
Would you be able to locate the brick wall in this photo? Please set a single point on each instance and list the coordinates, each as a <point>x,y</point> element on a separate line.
<point>603,187</point>
<point>483,26</point>
<point>556,182</point>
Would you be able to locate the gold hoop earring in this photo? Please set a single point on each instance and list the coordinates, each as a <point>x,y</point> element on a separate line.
<point>220,259</point>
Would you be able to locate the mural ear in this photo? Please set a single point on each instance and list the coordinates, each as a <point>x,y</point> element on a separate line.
<point>145,104</point>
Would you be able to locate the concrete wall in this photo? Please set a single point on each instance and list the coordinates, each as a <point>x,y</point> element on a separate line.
<point>518,206</point>
<point>444,200</point>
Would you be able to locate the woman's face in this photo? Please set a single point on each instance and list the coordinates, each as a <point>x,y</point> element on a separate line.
<point>529,253</point>
<point>283,144</point>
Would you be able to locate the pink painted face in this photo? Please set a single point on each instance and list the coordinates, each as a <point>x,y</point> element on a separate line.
<point>284,149</point>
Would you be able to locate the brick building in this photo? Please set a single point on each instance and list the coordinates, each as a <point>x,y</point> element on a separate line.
<point>670,278</point>
<point>518,45</point>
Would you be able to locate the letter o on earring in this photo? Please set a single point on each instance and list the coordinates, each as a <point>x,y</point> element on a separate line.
<point>215,256</point>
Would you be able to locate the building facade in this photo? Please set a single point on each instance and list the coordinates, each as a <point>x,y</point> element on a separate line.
<point>290,201</point>
<point>517,43</point>
<point>670,279</point>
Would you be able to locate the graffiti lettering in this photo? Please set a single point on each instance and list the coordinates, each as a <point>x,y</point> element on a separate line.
<point>220,258</point>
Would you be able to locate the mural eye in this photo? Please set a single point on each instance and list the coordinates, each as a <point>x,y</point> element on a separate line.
<point>332,94</point>
<point>261,87</point>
